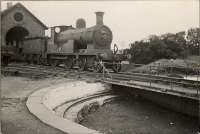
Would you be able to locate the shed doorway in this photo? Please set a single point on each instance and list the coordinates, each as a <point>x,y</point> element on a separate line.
<point>15,37</point>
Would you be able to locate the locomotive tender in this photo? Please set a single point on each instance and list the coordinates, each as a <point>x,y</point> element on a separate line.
<point>81,47</point>
<point>6,53</point>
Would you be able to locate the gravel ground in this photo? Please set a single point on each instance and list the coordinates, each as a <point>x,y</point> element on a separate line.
<point>16,119</point>
<point>136,116</point>
<point>161,65</point>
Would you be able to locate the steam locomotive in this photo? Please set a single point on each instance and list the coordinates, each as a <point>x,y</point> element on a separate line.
<point>80,47</point>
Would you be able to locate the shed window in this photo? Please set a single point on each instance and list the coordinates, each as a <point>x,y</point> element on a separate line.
<point>18,16</point>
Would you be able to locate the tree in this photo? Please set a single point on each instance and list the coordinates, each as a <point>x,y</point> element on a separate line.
<point>168,46</point>
<point>176,43</point>
<point>193,40</point>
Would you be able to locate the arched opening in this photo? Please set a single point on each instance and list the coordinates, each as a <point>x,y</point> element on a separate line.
<point>15,37</point>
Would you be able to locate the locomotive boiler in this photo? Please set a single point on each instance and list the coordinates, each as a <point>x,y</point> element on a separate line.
<point>83,47</point>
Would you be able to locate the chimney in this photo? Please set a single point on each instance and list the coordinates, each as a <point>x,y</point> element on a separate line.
<point>9,5</point>
<point>99,18</point>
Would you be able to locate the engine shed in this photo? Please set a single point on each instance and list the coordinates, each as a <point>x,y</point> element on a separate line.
<point>17,23</point>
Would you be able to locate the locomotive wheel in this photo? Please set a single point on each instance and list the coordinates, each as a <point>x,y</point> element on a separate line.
<point>41,60</point>
<point>98,68</point>
<point>5,61</point>
<point>32,59</point>
<point>69,63</point>
<point>28,60</point>
<point>38,59</point>
<point>35,59</point>
<point>53,63</point>
<point>82,64</point>
<point>116,67</point>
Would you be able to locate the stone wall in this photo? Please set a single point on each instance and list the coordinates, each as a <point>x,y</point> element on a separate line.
<point>172,102</point>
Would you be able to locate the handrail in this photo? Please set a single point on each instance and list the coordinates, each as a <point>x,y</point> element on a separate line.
<point>105,70</point>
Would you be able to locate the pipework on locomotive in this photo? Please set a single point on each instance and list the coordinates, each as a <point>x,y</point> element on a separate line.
<point>85,48</point>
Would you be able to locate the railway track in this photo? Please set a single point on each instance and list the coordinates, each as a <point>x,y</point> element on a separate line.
<point>156,79</point>
<point>39,71</point>
<point>75,110</point>
<point>33,71</point>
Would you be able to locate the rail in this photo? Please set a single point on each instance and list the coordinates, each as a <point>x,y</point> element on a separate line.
<point>170,84</point>
<point>166,84</point>
<point>161,79</point>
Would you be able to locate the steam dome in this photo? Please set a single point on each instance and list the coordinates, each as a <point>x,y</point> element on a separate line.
<point>80,23</point>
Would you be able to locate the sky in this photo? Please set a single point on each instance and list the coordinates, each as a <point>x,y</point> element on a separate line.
<point>129,20</point>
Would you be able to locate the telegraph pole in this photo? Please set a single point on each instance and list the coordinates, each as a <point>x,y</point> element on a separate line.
<point>199,26</point>
<point>197,77</point>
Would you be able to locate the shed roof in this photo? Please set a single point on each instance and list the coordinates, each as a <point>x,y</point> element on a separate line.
<point>19,5</point>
